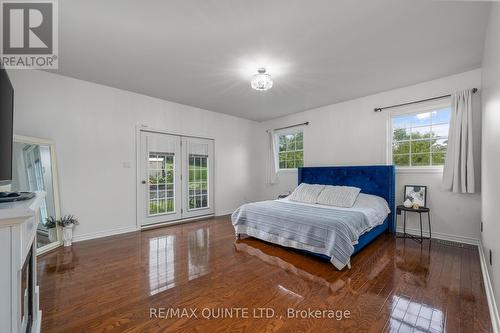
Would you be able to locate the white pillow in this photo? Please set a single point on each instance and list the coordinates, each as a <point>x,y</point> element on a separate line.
<point>340,196</point>
<point>306,193</point>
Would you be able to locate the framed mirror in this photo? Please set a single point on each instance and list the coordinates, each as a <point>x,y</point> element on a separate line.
<point>35,169</point>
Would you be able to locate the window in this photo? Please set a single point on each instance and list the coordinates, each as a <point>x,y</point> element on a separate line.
<point>161,183</point>
<point>420,139</point>
<point>198,181</point>
<point>290,150</point>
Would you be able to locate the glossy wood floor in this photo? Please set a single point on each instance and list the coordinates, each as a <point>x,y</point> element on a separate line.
<point>395,285</point>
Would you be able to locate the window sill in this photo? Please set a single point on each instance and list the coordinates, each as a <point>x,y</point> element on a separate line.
<point>287,170</point>
<point>419,170</point>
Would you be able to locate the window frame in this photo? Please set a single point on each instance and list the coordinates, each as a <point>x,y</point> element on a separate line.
<point>409,110</point>
<point>279,133</point>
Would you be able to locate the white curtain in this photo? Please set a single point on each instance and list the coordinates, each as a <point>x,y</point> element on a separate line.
<point>271,174</point>
<point>458,173</point>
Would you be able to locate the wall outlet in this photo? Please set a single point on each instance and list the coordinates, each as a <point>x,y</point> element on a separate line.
<point>491,259</point>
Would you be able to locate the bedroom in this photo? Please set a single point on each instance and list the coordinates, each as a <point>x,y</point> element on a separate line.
<point>150,131</point>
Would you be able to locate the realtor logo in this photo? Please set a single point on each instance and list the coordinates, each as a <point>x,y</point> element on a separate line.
<point>29,34</point>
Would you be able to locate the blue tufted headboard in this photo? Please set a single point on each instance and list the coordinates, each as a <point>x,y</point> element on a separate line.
<point>371,179</point>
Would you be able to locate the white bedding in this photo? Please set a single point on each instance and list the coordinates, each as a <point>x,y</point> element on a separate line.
<point>375,208</point>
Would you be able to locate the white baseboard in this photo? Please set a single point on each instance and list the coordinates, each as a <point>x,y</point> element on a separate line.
<point>440,235</point>
<point>175,222</point>
<point>104,233</point>
<point>490,296</point>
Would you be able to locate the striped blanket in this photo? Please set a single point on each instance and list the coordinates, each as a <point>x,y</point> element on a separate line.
<point>321,230</point>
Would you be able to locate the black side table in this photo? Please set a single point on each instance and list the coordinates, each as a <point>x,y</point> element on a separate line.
<point>402,209</point>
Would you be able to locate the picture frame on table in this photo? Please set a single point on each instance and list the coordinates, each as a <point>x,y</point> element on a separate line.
<point>415,194</point>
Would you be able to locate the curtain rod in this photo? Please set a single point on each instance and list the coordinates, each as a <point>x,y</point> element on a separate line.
<point>474,90</point>
<point>282,128</point>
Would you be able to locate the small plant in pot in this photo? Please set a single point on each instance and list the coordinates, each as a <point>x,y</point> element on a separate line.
<point>51,224</point>
<point>68,222</point>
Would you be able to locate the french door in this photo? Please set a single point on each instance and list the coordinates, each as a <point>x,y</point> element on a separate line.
<point>176,177</point>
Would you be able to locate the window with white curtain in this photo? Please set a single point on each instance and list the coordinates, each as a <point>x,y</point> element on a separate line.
<point>419,136</point>
<point>290,149</point>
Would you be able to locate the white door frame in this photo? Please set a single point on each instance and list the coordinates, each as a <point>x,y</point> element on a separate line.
<point>143,128</point>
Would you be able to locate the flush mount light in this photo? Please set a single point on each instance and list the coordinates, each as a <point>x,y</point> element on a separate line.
<point>262,81</point>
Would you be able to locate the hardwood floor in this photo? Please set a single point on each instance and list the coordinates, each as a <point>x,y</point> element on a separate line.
<point>119,283</point>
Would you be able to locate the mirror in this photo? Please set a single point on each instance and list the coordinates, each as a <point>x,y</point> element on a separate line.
<point>34,169</point>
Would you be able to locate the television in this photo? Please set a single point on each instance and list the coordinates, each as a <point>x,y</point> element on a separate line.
<point>6,127</point>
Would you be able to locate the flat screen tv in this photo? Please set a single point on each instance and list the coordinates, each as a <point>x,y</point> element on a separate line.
<point>6,127</point>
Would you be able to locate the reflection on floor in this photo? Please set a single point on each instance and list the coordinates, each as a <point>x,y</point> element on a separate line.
<point>395,285</point>
<point>161,263</point>
<point>162,259</point>
<point>409,316</point>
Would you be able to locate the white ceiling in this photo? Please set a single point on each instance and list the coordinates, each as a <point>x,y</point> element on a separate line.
<point>203,52</point>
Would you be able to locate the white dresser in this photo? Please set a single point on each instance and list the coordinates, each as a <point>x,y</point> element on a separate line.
<point>19,292</point>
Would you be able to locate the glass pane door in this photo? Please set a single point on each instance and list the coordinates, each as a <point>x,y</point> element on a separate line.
<point>160,175</point>
<point>197,155</point>
<point>176,177</point>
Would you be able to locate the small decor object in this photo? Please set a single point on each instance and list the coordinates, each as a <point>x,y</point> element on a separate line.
<point>416,194</point>
<point>407,203</point>
<point>68,222</point>
<point>51,224</point>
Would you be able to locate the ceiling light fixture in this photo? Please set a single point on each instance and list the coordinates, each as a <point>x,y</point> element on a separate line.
<point>262,81</point>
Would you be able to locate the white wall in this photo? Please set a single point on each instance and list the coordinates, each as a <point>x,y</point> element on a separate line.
<point>491,146</point>
<point>350,133</point>
<point>93,127</point>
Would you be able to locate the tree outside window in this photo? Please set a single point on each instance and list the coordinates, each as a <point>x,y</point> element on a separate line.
<point>420,139</point>
<point>291,150</point>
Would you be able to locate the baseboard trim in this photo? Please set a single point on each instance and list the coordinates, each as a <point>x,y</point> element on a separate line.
<point>171,223</point>
<point>440,235</point>
<point>490,296</point>
<point>104,233</point>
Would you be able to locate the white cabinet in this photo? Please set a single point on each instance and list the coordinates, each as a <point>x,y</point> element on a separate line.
<point>19,292</point>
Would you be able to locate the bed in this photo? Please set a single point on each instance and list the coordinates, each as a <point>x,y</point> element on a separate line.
<point>331,232</point>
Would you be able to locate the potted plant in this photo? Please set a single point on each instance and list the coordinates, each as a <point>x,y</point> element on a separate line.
<point>68,222</point>
<point>50,224</point>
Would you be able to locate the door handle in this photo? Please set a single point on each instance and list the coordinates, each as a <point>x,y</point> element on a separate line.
<point>143,182</point>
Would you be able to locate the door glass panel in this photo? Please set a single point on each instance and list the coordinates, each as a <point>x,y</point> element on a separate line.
<point>161,183</point>
<point>198,181</point>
